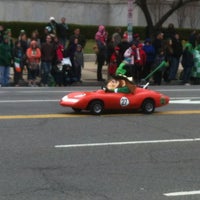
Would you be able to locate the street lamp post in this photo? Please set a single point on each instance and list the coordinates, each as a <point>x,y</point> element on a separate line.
<point>130,20</point>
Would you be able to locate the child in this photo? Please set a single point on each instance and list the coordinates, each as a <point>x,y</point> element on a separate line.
<point>78,62</point>
<point>114,62</point>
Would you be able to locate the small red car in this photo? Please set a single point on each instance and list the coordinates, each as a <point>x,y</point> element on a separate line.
<point>98,101</point>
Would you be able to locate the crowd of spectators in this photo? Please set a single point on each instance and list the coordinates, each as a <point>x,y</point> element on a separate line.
<point>144,56</point>
<point>41,56</point>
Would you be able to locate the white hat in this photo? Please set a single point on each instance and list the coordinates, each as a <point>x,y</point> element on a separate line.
<point>51,19</point>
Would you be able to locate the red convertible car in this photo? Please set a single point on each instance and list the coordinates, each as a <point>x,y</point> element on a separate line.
<point>96,102</point>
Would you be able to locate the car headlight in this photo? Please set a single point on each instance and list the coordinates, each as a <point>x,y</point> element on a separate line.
<point>67,99</point>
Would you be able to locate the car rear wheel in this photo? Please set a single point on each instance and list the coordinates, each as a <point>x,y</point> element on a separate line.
<point>96,107</point>
<point>148,106</point>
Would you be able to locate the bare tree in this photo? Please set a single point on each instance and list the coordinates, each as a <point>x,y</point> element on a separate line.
<point>192,16</point>
<point>181,16</point>
<point>174,5</point>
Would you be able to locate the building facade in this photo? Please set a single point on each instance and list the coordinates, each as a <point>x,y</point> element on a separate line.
<point>87,12</point>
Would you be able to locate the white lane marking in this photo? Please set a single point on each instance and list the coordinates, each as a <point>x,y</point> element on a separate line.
<point>127,143</point>
<point>176,90</point>
<point>29,101</point>
<point>185,193</point>
<point>180,98</point>
<point>184,101</point>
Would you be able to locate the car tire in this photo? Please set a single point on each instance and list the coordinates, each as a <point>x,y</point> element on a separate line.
<point>76,110</point>
<point>148,106</point>
<point>96,107</point>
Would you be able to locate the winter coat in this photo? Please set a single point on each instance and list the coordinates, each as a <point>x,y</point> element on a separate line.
<point>150,53</point>
<point>5,55</point>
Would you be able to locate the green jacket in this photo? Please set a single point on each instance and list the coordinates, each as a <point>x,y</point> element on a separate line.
<point>124,89</point>
<point>5,55</point>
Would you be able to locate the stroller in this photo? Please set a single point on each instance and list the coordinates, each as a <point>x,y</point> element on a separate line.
<point>63,72</point>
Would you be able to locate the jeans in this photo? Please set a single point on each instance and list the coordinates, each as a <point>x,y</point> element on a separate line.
<point>4,75</point>
<point>173,68</point>
<point>45,72</point>
<point>186,74</point>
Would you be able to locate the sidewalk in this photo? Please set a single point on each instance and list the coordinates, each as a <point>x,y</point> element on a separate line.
<point>89,74</point>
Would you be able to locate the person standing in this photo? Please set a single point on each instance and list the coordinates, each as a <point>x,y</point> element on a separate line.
<point>150,56</point>
<point>53,25</point>
<point>63,31</point>
<point>2,32</point>
<point>100,38</point>
<point>33,54</point>
<point>18,59</point>
<point>136,60</point>
<point>48,53</point>
<point>123,45</point>
<point>24,44</point>
<point>69,53</point>
<point>175,59</point>
<point>5,61</point>
<point>116,36</point>
<point>114,62</point>
<point>158,42</point>
<point>77,35</point>
<point>78,62</point>
<point>187,63</point>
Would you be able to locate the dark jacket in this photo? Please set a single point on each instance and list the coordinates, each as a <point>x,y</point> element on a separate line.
<point>187,58</point>
<point>48,52</point>
<point>177,48</point>
<point>5,54</point>
<point>62,30</point>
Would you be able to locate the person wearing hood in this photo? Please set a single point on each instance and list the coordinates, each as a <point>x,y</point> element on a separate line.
<point>100,39</point>
<point>33,54</point>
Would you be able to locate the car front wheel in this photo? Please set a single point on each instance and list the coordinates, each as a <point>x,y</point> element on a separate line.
<point>148,106</point>
<point>96,107</point>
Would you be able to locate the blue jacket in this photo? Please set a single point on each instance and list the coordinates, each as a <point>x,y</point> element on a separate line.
<point>150,53</point>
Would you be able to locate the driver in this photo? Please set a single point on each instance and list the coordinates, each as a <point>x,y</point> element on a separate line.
<point>120,84</point>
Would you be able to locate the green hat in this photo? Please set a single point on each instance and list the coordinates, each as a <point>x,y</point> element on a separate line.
<point>188,45</point>
<point>121,73</point>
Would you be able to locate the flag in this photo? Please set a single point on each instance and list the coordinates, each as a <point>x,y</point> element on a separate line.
<point>17,64</point>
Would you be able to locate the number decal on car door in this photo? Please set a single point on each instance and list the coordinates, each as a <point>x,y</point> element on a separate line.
<point>124,101</point>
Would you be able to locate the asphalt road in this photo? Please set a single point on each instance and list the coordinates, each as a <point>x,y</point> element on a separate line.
<point>49,153</point>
